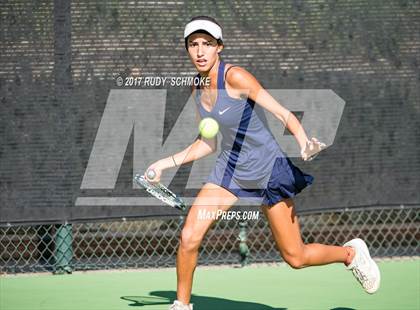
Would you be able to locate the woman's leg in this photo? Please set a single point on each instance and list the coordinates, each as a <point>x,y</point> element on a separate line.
<point>210,198</point>
<point>286,232</point>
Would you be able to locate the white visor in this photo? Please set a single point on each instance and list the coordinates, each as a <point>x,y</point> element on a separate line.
<point>206,25</point>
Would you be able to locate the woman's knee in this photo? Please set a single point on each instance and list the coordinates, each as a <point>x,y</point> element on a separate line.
<point>190,239</point>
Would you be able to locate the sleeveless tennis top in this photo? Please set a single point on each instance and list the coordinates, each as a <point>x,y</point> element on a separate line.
<point>250,157</point>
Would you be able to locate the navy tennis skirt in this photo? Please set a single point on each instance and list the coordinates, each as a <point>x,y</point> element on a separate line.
<point>286,181</point>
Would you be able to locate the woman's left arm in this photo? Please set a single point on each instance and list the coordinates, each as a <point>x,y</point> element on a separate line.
<point>247,85</point>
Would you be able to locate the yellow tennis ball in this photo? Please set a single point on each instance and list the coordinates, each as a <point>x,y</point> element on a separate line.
<point>208,127</point>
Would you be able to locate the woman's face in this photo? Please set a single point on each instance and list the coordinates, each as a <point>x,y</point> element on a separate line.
<point>203,50</point>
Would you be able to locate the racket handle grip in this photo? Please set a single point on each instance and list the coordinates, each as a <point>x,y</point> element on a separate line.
<point>151,174</point>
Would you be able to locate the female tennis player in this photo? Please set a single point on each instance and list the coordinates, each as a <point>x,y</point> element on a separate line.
<point>251,165</point>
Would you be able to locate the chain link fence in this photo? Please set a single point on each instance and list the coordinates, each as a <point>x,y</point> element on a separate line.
<point>147,243</point>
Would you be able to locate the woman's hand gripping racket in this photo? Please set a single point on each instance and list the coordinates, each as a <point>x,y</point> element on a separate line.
<point>159,190</point>
<point>312,149</point>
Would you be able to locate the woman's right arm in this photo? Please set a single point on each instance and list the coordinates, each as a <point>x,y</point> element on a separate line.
<point>200,148</point>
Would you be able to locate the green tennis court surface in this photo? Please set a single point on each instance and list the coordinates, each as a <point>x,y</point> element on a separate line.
<point>255,287</point>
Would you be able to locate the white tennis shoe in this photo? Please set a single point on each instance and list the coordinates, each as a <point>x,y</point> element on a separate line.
<point>177,305</point>
<point>364,269</point>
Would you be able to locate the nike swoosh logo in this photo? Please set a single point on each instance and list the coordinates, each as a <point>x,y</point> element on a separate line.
<point>223,111</point>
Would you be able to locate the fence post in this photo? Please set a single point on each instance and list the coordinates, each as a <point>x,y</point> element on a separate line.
<point>63,249</point>
<point>243,247</point>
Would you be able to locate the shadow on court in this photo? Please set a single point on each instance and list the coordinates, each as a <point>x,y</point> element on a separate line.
<point>201,302</point>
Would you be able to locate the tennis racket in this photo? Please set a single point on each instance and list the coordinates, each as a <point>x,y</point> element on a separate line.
<point>159,191</point>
